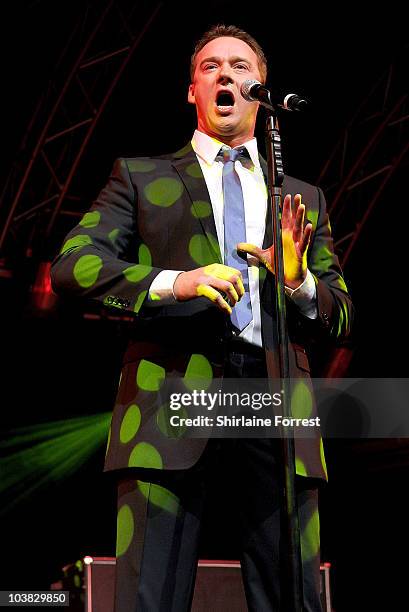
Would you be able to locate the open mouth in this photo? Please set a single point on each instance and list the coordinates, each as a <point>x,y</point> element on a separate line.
<point>224,101</point>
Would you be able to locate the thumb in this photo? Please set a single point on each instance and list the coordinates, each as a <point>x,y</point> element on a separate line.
<point>251,249</point>
<point>263,255</point>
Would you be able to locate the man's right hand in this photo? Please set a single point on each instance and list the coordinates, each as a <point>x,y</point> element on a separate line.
<point>208,282</point>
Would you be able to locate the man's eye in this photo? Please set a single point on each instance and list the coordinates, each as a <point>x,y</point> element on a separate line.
<point>241,66</point>
<point>210,66</point>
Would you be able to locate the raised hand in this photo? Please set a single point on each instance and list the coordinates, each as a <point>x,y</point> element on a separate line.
<point>296,239</point>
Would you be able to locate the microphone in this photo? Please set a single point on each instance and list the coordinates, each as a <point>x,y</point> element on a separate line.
<point>254,91</point>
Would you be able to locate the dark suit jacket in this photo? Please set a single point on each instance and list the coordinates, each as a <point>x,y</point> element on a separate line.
<point>155,214</point>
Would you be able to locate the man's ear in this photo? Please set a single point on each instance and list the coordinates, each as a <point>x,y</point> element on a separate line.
<point>191,94</point>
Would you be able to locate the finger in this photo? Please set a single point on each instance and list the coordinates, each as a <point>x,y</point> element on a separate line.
<point>286,218</point>
<point>228,274</point>
<point>237,282</point>
<point>299,223</point>
<point>263,255</point>
<point>297,202</point>
<point>306,237</point>
<point>240,286</point>
<point>220,271</point>
<point>251,249</point>
<point>228,288</point>
<point>214,296</point>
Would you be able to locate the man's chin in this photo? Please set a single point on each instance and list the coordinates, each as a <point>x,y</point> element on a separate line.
<point>221,128</point>
<point>225,125</point>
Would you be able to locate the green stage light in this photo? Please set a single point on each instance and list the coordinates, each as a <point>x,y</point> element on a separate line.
<point>40,455</point>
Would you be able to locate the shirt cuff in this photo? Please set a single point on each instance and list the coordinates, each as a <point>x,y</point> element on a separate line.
<point>161,290</point>
<point>305,296</point>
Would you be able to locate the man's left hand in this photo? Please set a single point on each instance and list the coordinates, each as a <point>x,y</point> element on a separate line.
<point>296,239</point>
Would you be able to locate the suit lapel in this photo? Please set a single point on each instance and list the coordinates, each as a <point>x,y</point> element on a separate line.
<point>186,165</point>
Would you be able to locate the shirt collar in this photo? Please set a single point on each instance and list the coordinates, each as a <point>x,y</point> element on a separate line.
<point>207,148</point>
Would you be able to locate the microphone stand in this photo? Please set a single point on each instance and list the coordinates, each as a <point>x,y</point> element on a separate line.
<point>292,576</point>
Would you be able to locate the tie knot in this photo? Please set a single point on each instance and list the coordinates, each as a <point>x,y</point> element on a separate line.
<point>225,154</point>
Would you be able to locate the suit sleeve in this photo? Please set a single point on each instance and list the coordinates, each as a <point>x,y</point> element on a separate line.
<point>103,257</point>
<point>335,310</point>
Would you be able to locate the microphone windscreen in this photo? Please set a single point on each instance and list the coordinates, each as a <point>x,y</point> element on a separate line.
<point>246,89</point>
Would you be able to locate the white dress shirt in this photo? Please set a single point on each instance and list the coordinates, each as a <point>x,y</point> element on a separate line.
<point>255,207</point>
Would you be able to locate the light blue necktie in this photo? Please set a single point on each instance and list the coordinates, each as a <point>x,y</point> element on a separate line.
<point>235,231</point>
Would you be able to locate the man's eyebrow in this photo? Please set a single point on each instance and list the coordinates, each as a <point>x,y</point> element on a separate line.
<point>237,58</point>
<point>214,59</point>
<point>232,60</point>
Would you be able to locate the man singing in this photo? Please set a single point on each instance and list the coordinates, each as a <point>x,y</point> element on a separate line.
<point>184,242</point>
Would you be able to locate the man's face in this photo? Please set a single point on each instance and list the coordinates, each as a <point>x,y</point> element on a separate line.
<point>222,112</point>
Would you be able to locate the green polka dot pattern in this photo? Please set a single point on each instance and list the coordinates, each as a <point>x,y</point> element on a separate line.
<point>163,191</point>
<point>183,151</point>
<point>324,258</point>
<point>159,496</point>
<point>77,241</point>
<point>201,251</point>
<point>136,273</point>
<point>341,284</point>
<point>300,467</point>
<point>322,455</point>
<point>310,541</point>
<point>312,215</point>
<point>194,170</point>
<point>87,269</point>
<point>141,165</point>
<point>214,244</point>
<point>262,273</point>
<point>199,373</point>
<point>144,255</point>
<point>130,424</point>
<point>201,209</point>
<point>149,375</point>
<point>113,235</point>
<point>124,529</point>
<point>163,421</point>
<point>145,455</point>
<point>139,301</point>
<point>108,441</point>
<point>90,219</point>
<point>301,400</point>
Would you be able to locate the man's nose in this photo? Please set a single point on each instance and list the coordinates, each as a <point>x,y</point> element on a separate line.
<point>225,75</point>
